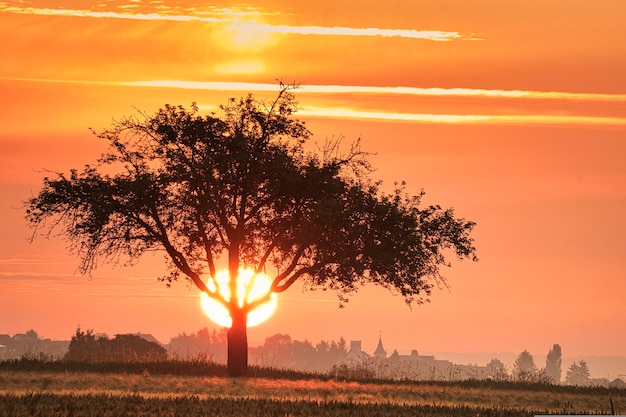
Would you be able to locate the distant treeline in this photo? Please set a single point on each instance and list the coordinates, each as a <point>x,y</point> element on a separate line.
<point>278,351</point>
<point>86,347</point>
<point>30,345</point>
<point>283,353</point>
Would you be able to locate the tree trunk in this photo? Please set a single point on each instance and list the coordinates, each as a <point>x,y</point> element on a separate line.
<point>238,344</point>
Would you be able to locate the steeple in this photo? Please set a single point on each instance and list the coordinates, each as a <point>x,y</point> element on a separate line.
<point>380,350</point>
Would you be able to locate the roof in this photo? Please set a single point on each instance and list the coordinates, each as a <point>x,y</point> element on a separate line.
<point>148,337</point>
<point>380,351</point>
<point>617,383</point>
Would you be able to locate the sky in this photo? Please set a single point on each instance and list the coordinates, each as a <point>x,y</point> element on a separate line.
<point>513,113</point>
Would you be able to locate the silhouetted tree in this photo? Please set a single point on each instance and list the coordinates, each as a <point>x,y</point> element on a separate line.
<point>277,351</point>
<point>204,345</point>
<point>577,374</point>
<point>85,347</point>
<point>342,346</point>
<point>304,355</point>
<point>524,368</point>
<point>496,370</point>
<point>243,184</point>
<point>31,335</point>
<point>553,364</point>
<point>134,348</point>
<point>323,346</point>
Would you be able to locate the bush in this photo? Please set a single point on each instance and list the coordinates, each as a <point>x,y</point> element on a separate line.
<point>85,347</point>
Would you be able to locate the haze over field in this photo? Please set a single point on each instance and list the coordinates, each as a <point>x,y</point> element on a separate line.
<point>512,113</point>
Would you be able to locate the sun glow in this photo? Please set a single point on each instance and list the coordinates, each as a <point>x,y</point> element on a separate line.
<point>244,36</point>
<point>255,286</point>
<point>248,66</point>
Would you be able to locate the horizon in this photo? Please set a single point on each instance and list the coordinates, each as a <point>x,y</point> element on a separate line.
<point>503,112</point>
<point>600,366</point>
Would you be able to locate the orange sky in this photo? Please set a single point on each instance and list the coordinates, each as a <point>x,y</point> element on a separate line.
<point>512,112</point>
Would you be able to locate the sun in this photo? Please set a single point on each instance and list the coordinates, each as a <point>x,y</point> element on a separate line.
<point>245,35</point>
<point>258,285</point>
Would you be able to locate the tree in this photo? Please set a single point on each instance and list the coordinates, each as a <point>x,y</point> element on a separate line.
<point>243,186</point>
<point>134,348</point>
<point>277,351</point>
<point>577,374</point>
<point>85,347</point>
<point>553,364</point>
<point>496,370</point>
<point>524,368</point>
<point>31,335</point>
<point>304,355</point>
<point>204,345</point>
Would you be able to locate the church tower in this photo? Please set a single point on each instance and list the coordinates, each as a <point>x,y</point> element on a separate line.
<point>380,350</point>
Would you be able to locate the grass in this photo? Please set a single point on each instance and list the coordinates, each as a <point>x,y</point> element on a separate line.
<point>186,388</point>
<point>132,405</point>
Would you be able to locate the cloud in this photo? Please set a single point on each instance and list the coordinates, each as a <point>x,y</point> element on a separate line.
<point>395,90</point>
<point>344,89</point>
<point>520,119</point>
<point>347,112</point>
<point>433,35</point>
<point>31,261</point>
<point>243,21</point>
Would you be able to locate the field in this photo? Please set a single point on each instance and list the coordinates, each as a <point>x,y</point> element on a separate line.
<point>57,389</point>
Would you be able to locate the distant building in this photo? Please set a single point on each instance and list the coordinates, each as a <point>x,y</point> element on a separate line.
<point>29,345</point>
<point>149,338</point>
<point>412,366</point>
<point>380,351</point>
<point>355,355</point>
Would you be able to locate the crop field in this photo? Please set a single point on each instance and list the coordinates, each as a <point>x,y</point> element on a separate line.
<point>54,391</point>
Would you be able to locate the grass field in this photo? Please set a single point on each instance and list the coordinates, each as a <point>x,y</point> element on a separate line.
<point>147,390</point>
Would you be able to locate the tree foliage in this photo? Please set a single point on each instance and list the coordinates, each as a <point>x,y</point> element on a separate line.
<point>243,185</point>
<point>553,364</point>
<point>578,374</point>
<point>86,347</point>
<point>204,345</point>
<point>496,370</point>
<point>524,368</point>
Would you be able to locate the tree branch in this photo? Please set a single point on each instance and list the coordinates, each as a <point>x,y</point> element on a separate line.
<point>290,268</point>
<point>293,278</point>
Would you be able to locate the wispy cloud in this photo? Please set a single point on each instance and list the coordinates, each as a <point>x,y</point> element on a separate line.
<point>107,14</point>
<point>525,119</point>
<point>433,35</point>
<point>31,261</point>
<point>356,89</point>
<point>244,22</point>
<point>31,275</point>
<point>347,89</point>
<point>355,113</point>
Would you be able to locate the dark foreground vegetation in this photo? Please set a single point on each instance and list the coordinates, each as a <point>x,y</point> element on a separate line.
<point>30,387</point>
<point>135,405</point>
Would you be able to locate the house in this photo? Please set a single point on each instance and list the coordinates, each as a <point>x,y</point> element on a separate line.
<point>149,338</point>
<point>617,383</point>
<point>396,366</point>
<point>355,355</point>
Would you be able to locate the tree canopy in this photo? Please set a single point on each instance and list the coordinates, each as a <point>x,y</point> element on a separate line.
<point>524,368</point>
<point>86,347</point>
<point>578,374</point>
<point>242,186</point>
<point>553,364</point>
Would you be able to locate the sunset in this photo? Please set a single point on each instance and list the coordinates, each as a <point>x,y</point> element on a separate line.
<point>511,113</point>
